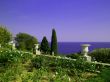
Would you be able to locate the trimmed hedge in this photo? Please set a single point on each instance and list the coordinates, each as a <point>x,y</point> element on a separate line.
<point>101,55</point>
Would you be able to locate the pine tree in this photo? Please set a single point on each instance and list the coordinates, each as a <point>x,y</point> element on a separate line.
<point>45,45</point>
<point>53,43</point>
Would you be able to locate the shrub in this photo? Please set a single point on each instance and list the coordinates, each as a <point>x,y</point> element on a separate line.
<point>25,41</point>
<point>5,35</point>
<point>101,55</point>
<point>10,74</point>
<point>74,56</point>
<point>95,79</point>
<point>105,74</point>
<point>8,57</point>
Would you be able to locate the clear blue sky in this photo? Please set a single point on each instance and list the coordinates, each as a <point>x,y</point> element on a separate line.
<point>74,20</point>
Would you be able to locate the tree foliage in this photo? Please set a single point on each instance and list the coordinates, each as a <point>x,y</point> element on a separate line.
<point>5,35</point>
<point>54,42</point>
<point>25,41</point>
<point>45,45</point>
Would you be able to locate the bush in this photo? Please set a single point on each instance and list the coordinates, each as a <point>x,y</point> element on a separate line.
<point>25,41</point>
<point>95,79</point>
<point>5,35</point>
<point>10,74</point>
<point>105,74</point>
<point>101,55</point>
<point>74,56</point>
<point>8,57</point>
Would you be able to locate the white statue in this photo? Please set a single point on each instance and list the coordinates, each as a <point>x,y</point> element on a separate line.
<point>12,45</point>
<point>36,47</point>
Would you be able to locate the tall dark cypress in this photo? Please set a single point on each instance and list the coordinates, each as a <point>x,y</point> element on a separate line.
<point>54,42</point>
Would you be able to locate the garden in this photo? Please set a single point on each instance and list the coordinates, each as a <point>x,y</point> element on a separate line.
<point>20,66</point>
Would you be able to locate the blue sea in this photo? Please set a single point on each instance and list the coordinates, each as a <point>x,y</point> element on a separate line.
<point>74,47</point>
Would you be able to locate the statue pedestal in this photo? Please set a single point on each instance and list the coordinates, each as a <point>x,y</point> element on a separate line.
<point>37,52</point>
<point>87,58</point>
<point>13,46</point>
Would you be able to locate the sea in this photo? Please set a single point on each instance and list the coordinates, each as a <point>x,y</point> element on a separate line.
<point>66,48</point>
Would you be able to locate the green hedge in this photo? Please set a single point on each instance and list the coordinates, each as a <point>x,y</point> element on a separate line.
<point>101,55</point>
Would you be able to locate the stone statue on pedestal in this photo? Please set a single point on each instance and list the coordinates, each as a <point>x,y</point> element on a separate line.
<point>85,51</point>
<point>36,49</point>
<point>13,45</point>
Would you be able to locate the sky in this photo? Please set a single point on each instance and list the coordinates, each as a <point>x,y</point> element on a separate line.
<point>73,20</point>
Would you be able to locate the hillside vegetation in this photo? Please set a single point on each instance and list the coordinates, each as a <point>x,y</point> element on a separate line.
<point>19,66</point>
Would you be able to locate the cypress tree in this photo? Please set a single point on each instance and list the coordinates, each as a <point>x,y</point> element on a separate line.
<point>54,43</point>
<point>45,45</point>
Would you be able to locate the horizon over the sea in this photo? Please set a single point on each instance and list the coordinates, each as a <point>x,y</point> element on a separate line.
<point>66,48</point>
<point>78,41</point>
<point>74,47</point>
